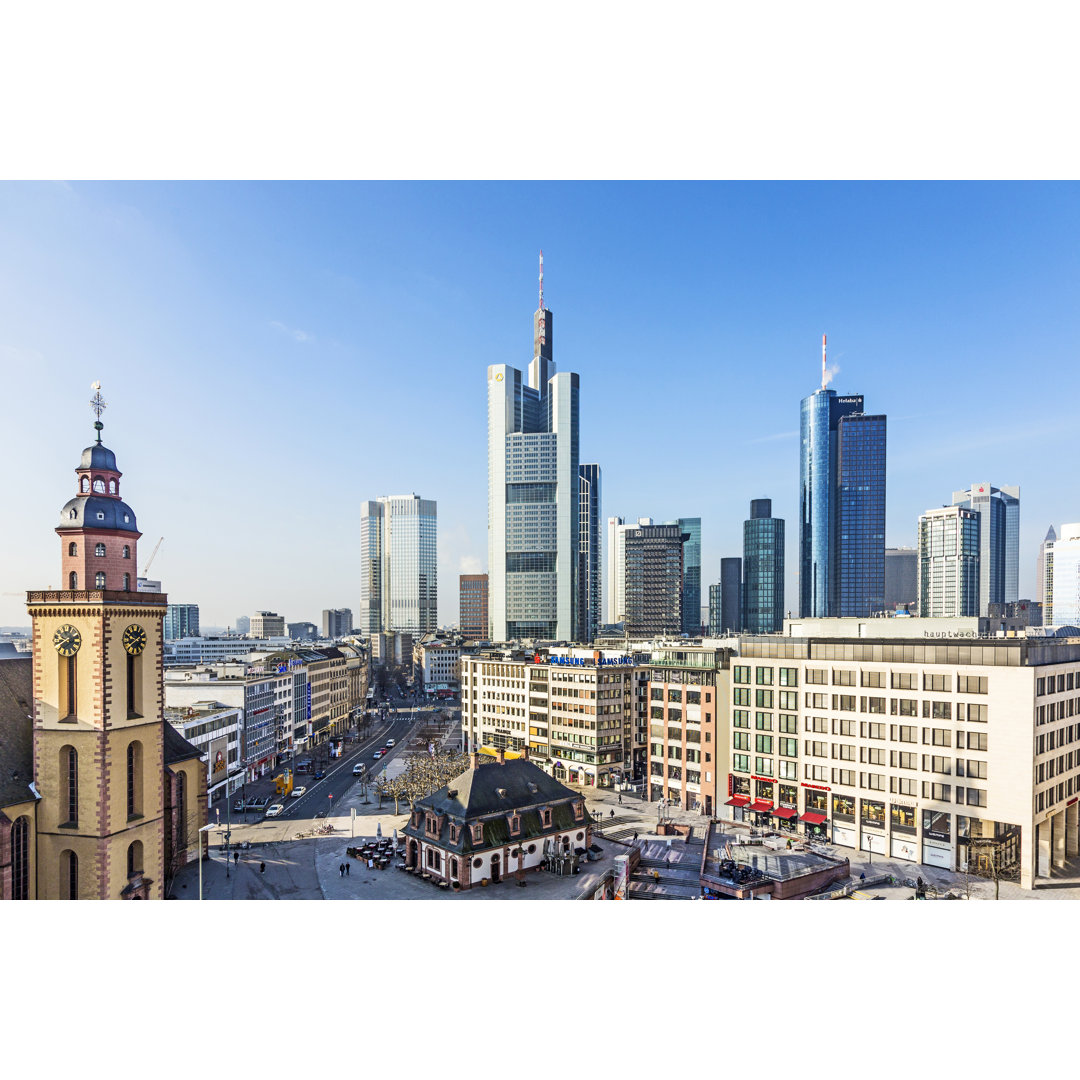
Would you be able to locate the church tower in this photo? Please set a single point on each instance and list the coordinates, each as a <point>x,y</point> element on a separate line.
<point>98,733</point>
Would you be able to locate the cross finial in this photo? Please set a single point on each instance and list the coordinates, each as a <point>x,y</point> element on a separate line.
<point>98,404</point>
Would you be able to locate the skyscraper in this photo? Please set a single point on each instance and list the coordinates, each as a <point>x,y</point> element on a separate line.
<point>999,541</point>
<point>181,620</point>
<point>842,505</point>
<point>901,577</point>
<point>336,622</point>
<point>654,579</point>
<point>398,576</point>
<point>615,572</point>
<point>763,570</point>
<point>533,502</point>
<point>1044,576</point>
<point>589,541</point>
<point>473,606</point>
<point>691,601</point>
<point>715,624</point>
<point>948,566</point>
<point>1066,581</point>
<point>731,596</point>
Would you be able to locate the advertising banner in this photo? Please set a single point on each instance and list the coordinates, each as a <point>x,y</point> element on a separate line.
<point>219,760</point>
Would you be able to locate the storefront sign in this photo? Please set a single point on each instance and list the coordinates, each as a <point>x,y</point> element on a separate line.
<point>936,825</point>
<point>817,787</point>
<point>763,779</point>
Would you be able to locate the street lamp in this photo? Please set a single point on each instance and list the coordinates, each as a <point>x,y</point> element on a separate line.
<point>205,828</point>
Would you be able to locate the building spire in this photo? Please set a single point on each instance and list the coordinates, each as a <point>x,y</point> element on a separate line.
<point>823,380</point>
<point>541,280</point>
<point>98,404</point>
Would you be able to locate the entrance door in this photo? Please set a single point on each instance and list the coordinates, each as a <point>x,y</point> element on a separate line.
<point>494,868</point>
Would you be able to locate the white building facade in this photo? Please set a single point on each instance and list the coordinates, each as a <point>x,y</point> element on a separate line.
<point>1065,577</point>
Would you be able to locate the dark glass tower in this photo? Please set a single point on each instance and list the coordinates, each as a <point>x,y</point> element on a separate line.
<point>763,570</point>
<point>654,580</point>
<point>999,541</point>
<point>842,507</point>
<point>691,598</point>
<point>588,575</point>
<point>731,602</point>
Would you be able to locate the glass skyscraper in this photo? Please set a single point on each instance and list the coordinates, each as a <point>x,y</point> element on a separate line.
<point>1066,584</point>
<point>763,570</point>
<point>999,541</point>
<point>948,567</point>
<point>842,507</point>
<point>691,598</point>
<point>181,621</point>
<point>589,540</point>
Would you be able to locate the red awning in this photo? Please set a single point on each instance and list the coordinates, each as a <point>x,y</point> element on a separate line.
<point>738,800</point>
<point>813,819</point>
<point>762,806</point>
<point>784,812</point>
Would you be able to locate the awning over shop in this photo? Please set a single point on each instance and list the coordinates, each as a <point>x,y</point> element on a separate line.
<point>813,819</point>
<point>784,812</point>
<point>761,806</point>
<point>738,800</point>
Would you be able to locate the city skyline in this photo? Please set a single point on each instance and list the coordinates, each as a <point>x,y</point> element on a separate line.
<point>243,306</point>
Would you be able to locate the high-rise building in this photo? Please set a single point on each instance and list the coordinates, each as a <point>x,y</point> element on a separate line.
<point>948,569</point>
<point>1066,577</point>
<point>301,631</point>
<point>842,506</point>
<point>1044,577</point>
<point>763,570</point>
<point>691,602</point>
<point>715,623</point>
<point>589,542</point>
<point>473,606</point>
<point>336,622</point>
<point>398,577</point>
<point>181,620</point>
<point>267,624</point>
<point>654,579</point>
<point>615,573</point>
<point>533,502</point>
<point>243,624</point>
<point>999,541</point>
<point>901,577</point>
<point>731,595</point>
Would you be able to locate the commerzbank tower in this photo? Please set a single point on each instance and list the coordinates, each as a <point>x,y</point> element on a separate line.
<point>534,490</point>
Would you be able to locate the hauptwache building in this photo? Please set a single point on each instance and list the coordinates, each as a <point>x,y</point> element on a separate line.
<point>936,742</point>
<point>100,798</point>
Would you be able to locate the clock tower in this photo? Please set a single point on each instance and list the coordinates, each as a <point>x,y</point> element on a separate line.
<point>98,735</point>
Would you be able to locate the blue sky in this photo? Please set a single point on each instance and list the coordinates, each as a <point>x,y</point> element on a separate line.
<point>275,353</point>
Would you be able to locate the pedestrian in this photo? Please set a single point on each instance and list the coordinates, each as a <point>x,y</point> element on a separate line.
<point>235,857</point>
<point>346,869</point>
<point>635,834</point>
<point>262,868</point>
<point>862,876</point>
<point>612,813</point>
<point>341,870</point>
<point>656,876</point>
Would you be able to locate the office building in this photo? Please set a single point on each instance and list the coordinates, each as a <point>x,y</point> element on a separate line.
<point>398,577</point>
<point>948,567</point>
<point>763,570</point>
<point>243,624</point>
<point>589,543</point>
<point>726,599</point>
<point>922,740</point>
<point>267,624</point>
<point>715,621</point>
<point>473,606</point>
<point>533,502</point>
<point>1066,577</point>
<point>301,631</point>
<point>842,506</point>
<point>691,592</point>
<point>615,573</point>
<point>999,541</point>
<point>181,620</point>
<point>653,576</point>
<point>901,578</point>
<point>1044,576</point>
<point>336,622</point>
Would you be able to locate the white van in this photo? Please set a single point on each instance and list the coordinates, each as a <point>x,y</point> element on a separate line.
<point>359,769</point>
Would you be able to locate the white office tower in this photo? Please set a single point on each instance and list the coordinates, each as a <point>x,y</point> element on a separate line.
<point>1044,576</point>
<point>1066,577</point>
<point>398,578</point>
<point>615,573</point>
<point>999,541</point>
<point>948,563</point>
<point>533,500</point>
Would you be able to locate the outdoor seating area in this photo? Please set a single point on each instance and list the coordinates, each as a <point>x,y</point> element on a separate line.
<point>376,853</point>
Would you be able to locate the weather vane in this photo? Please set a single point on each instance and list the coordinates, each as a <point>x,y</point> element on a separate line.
<point>98,404</point>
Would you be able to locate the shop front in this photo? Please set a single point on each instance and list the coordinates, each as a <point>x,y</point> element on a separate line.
<point>843,818</point>
<point>905,843</point>
<point>740,799</point>
<point>786,814</point>
<point>874,826</point>
<point>815,816</point>
<point>761,808</point>
<point>937,839</point>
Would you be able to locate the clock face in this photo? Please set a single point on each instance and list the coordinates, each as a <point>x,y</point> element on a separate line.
<point>67,640</point>
<point>134,639</point>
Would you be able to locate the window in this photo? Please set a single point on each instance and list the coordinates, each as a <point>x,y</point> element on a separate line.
<point>740,762</point>
<point>69,766</point>
<point>764,676</point>
<point>763,744</point>
<point>843,806</point>
<point>763,721</point>
<point>937,736</point>
<point>656,694</point>
<point>127,583</point>
<point>872,679</point>
<point>740,695</point>
<point>872,755</point>
<point>904,680</point>
<point>844,727</point>
<point>934,763</point>
<point>903,819</point>
<point>901,785</point>
<point>975,796</point>
<point>901,760</point>
<point>134,687</point>
<point>843,702</point>
<point>789,699</point>
<point>134,780</point>
<point>764,766</point>
<point>843,752</point>
<point>789,770</point>
<point>181,811</point>
<point>976,770</point>
<point>99,580</point>
<point>99,550</point>
<point>975,713</point>
<point>740,740</point>
<point>740,718</point>
<point>20,859</point>
<point>789,724</point>
<point>937,710</point>
<point>674,695</point>
<point>904,707</point>
<point>789,676</point>
<point>816,749</point>
<point>872,731</point>
<point>817,676</point>
<point>69,875</point>
<point>134,858</point>
<point>740,674</point>
<point>127,552</point>
<point>68,695</point>
<point>73,548</point>
<point>843,677</point>
<point>976,740</point>
<point>902,733</point>
<point>817,701</point>
<point>818,724</point>
<point>763,699</point>
<point>844,777</point>
<point>938,682</point>
<point>872,705</point>
<point>971,684</point>
<point>789,747</point>
<point>478,830</point>
<point>73,580</point>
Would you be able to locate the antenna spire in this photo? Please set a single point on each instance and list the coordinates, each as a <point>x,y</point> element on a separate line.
<point>541,280</point>
<point>822,361</point>
<point>98,404</point>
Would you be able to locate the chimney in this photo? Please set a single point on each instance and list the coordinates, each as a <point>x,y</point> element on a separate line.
<point>474,760</point>
<point>525,752</point>
<point>500,756</point>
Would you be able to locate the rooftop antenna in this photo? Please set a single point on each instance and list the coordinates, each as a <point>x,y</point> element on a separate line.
<point>98,404</point>
<point>541,280</point>
<point>822,361</point>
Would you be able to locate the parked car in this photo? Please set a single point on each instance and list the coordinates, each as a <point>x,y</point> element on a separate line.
<point>359,769</point>
<point>298,791</point>
<point>273,811</point>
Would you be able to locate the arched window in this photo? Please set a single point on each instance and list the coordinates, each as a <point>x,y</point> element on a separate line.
<point>99,580</point>
<point>99,485</point>
<point>99,550</point>
<point>73,548</point>
<point>134,686</point>
<point>68,687</point>
<point>84,484</point>
<point>73,580</point>
<point>69,779</point>
<point>134,780</point>
<point>127,552</point>
<point>135,858</point>
<point>112,487</point>
<point>181,811</point>
<point>20,859</point>
<point>69,875</point>
<point>127,583</point>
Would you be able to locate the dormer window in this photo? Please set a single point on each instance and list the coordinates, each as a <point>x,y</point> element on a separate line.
<point>547,817</point>
<point>99,550</point>
<point>515,824</point>
<point>579,810</point>
<point>453,834</point>
<point>100,515</point>
<point>127,518</point>
<point>478,834</point>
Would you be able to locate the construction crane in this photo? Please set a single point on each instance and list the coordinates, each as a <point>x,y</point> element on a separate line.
<point>146,568</point>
